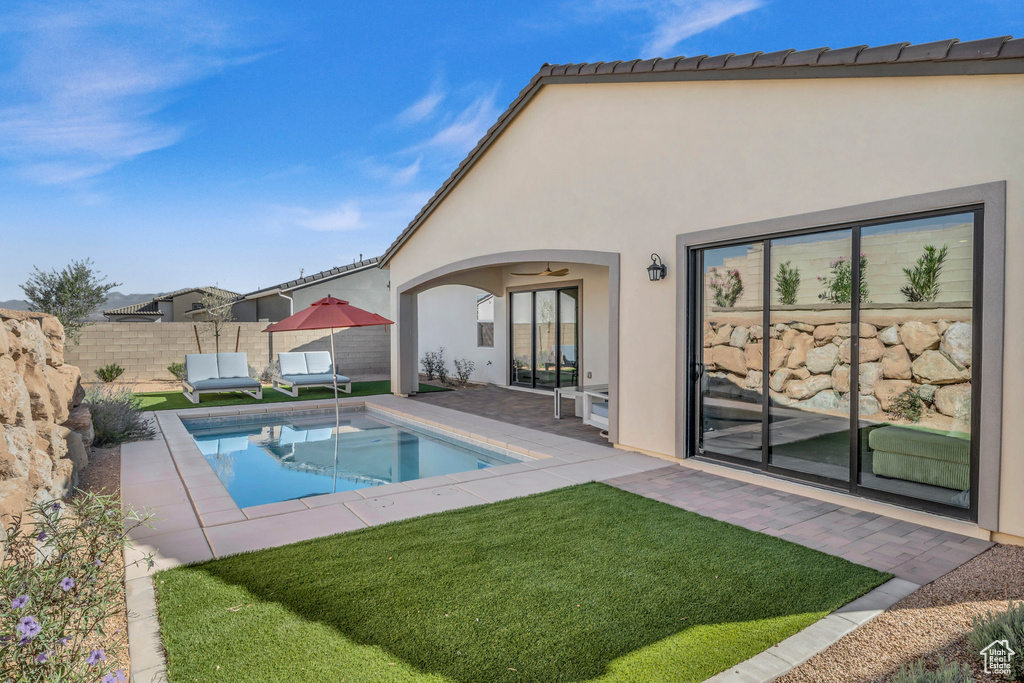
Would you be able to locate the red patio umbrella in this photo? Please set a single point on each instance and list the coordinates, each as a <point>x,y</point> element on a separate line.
<point>329,314</point>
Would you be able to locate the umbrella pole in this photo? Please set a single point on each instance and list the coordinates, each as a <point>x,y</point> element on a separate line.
<point>337,413</point>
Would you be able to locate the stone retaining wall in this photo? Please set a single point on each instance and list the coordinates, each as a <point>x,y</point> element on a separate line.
<point>145,350</point>
<point>809,367</point>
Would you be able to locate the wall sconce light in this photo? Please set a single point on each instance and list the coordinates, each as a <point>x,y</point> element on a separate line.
<point>657,270</point>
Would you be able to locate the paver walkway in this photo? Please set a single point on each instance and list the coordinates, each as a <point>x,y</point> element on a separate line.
<point>910,551</point>
<point>523,408</point>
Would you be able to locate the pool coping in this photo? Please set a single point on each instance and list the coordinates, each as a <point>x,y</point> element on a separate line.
<point>169,470</point>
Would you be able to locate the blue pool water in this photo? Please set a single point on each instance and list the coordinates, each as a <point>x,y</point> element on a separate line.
<point>271,458</point>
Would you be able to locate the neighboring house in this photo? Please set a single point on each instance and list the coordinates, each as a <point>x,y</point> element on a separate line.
<point>362,284</point>
<point>759,179</point>
<point>166,308</point>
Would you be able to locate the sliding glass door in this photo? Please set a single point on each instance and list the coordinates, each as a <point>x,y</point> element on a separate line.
<point>843,356</point>
<point>544,338</point>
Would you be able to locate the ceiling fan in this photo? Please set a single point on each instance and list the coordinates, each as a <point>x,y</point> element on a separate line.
<point>562,272</point>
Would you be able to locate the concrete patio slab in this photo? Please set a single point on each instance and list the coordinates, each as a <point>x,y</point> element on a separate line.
<point>269,532</point>
<point>493,489</point>
<point>412,504</point>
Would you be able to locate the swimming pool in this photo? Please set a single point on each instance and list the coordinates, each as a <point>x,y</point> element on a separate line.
<point>268,458</point>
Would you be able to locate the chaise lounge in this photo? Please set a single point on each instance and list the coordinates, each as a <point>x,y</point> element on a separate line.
<point>208,373</point>
<point>307,369</point>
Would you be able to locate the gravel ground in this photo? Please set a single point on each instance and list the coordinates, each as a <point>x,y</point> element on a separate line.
<point>103,475</point>
<point>931,622</point>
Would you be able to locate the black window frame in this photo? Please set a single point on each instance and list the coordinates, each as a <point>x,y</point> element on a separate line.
<point>694,364</point>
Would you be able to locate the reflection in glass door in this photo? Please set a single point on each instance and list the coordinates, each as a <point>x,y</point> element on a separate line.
<point>799,339</point>
<point>545,338</point>
<point>729,394</point>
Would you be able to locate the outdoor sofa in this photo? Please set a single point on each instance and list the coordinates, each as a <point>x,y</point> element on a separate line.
<point>299,369</point>
<point>207,373</point>
<point>920,455</point>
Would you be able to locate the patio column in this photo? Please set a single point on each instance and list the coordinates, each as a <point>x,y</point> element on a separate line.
<point>405,374</point>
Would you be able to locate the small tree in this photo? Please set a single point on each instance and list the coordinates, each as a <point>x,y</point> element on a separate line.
<point>70,295</point>
<point>216,314</point>
<point>726,286</point>
<point>923,278</point>
<point>787,283</point>
<point>839,286</point>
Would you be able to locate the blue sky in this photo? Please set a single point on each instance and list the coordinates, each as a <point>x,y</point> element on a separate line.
<point>182,143</point>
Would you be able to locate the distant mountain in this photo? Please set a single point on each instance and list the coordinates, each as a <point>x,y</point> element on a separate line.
<point>114,300</point>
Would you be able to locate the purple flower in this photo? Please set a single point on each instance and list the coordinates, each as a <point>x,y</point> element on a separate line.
<point>19,602</point>
<point>56,506</point>
<point>95,657</point>
<point>63,641</point>
<point>114,677</point>
<point>42,657</point>
<point>41,536</point>
<point>149,562</point>
<point>28,627</point>
<point>67,584</point>
<point>98,562</point>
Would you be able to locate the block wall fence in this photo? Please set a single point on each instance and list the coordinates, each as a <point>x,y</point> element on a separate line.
<point>145,350</point>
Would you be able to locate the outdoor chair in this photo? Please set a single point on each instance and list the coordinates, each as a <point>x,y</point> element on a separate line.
<point>307,369</point>
<point>207,373</point>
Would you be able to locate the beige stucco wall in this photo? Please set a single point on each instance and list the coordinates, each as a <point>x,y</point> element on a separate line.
<point>627,167</point>
<point>145,351</point>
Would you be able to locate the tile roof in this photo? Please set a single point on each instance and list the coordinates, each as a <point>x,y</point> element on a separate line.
<point>151,307</point>
<point>316,277</point>
<point>1003,54</point>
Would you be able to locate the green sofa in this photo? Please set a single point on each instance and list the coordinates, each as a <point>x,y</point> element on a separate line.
<point>928,457</point>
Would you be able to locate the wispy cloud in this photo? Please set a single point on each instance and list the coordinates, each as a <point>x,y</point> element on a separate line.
<point>673,20</point>
<point>384,214</point>
<point>89,80</point>
<point>423,108</point>
<point>460,134</point>
<point>395,175</point>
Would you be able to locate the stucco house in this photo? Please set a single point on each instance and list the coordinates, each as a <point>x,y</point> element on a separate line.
<point>361,283</point>
<point>760,351</point>
<point>166,308</point>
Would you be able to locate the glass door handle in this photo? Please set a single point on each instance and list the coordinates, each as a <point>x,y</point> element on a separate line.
<point>698,371</point>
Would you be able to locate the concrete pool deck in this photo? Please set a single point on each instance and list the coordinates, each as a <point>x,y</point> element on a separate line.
<point>197,520</point>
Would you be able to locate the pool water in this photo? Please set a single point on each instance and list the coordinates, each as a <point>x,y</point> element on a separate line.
<point>268,459</point>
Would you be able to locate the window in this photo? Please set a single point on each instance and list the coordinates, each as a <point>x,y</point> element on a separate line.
<point>846,356</point>
<point>485,321</point>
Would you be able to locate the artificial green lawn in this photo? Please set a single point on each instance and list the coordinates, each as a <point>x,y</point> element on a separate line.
<point>583,583</point>
<point>175,400</point>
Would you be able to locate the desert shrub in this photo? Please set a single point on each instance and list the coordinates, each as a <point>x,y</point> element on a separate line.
<point>1008,626</point>
<point>58,586</point>
<point>108,373</point>
<point>947,672</point>
<point>923,278</point>
<point>463,370</point>
<point>178,370</point>
<point>907,406</point>
<point>787,283</point>
<point>434,365</point>
<point>116,416</point>
<point>839,285</point>
<point>726,287</point>
<point>266,375</point>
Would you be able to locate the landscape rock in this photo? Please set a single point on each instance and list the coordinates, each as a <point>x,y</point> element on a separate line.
<point>789,337</point>
<point>722,335</point>
<point>869,405</point>
<point>739,338</point>
<point>937,367</point>
<point>729,358</point>
<point>957,342</point>
<point>80,422</point>
<point>942,326</point>
<point>806,388</point>
<point>802,327</point>
<point>887,390</point>
<point>919,337</point>
<point>841,378</point>
<point>823,400</point>
<point>954,401</point>
<point>870,374</point>
<point>801,345</point>
<point>890,336</point>
<point>756,332</point>
<point>824,333</point>
<point>871,349</point>
<point>822,359</point>
<point>779,378</point>
<point>896,363</point>
<point>927,392</point>
<point>753,380</point>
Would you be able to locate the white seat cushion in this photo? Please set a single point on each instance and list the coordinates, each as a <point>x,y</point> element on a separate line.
<point>200,366</point>
<point>232,365</point>
<point>292,363</point>
<point>318,362</point>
